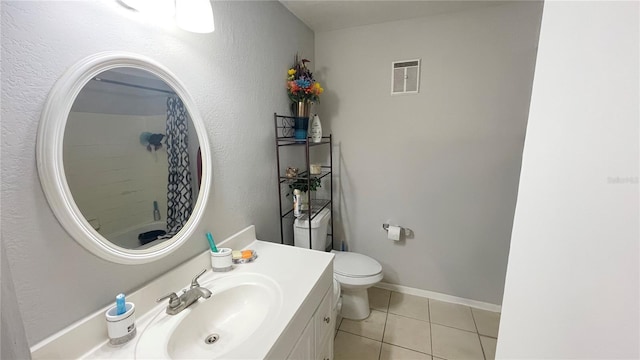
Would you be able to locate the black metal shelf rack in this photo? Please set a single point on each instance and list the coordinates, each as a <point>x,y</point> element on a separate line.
<point>284,138</point>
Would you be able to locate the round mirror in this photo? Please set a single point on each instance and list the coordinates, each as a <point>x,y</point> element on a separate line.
<point>119,157</point>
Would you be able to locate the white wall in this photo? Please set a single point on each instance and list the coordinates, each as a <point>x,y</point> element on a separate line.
<point>236,77</point>
<point>13,342</point>
<point>445,162</point>
<point>572,288</point>
<point>113,178</point>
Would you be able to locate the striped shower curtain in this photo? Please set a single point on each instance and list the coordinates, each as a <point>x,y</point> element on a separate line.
<point>179,196</point>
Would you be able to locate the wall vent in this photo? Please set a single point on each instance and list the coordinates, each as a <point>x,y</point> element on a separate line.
<point>405,77</point>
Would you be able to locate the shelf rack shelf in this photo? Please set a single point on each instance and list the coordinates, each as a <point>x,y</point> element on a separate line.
<point>284,130</point>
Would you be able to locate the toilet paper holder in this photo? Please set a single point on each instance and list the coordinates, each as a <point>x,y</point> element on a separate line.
<point>407,232</point>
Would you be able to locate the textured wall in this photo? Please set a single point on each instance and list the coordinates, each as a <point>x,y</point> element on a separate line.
<point>575,249</point>
<point>445,162</point>
<point>236,77</point>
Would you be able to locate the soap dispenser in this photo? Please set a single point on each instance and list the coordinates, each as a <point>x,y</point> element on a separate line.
<point>316,129</point>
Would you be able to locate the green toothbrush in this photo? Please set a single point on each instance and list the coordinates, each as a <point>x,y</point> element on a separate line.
<point>212,245</point>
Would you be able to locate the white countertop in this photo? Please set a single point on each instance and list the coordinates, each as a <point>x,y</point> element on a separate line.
<point>303,277</point>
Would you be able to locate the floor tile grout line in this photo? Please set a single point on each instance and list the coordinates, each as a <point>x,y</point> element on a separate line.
<point>409,317</point>
<point>459,306</point>
<point>406,316</point>
<point>360,321</point>
<point>478,333</point>
<point>406,348</point>
<point>430,327</point>
<point>455,328</point>
<point>447,326</point>
<point>366,337</point>
<point>384,329</point>
<point>495,312</point>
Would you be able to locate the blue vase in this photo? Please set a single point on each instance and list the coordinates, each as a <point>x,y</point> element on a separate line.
<point>301,112</point>
<point>300,127</point>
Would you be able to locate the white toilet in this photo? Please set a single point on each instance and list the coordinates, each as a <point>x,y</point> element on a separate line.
<point>355,272</point>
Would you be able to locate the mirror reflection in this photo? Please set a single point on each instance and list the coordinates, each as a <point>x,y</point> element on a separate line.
<point>130,154</point>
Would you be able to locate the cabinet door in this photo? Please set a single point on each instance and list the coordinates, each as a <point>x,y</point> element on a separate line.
<point>304,349</point>
<point>325,352</point>
<point>324,321</point>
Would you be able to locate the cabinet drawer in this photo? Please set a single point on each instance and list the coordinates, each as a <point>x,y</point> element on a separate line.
<point>323,319</point>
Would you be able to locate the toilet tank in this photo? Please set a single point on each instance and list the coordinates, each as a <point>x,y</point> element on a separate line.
<point>318,230</point>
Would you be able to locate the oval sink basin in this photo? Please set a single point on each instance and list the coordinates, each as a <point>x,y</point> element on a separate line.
<point>241,306</point>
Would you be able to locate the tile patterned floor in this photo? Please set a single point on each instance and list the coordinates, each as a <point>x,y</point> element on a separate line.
<point>404,326</point>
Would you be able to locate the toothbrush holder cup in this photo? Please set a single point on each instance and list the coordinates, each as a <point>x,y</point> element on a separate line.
<point>221,260</point>
<point>121,328</point>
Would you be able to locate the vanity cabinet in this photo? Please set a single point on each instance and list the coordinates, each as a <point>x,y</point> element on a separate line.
<point>304,348</point>
<point>316,341</point>
<point>284,130</point>
<point>326,350</point>
<point>323,317</point>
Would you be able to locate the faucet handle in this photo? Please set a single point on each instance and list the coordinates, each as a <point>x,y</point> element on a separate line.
<point>174,300</point>
<point>194,282</point>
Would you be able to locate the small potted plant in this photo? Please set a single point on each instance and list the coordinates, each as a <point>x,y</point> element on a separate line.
<point>304,186</point>
<point>299,187</point>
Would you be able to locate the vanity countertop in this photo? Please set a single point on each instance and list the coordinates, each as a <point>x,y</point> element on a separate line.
<point>302,277</point>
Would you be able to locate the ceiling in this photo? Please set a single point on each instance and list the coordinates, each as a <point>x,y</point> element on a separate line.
<point>326,15</point>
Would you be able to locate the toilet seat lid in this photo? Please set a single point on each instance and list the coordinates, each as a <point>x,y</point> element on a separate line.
<point>355,265</point>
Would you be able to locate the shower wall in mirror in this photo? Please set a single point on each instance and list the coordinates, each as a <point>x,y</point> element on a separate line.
<point>116,153</point>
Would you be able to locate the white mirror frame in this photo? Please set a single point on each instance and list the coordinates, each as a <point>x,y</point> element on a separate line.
<point>49,157</point>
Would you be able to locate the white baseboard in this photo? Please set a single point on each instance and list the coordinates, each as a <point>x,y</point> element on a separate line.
<point>440,296</point>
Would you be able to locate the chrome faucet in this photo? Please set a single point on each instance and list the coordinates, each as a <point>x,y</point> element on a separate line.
<point>188,297</point>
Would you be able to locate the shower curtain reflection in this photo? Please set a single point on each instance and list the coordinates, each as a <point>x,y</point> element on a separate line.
<point>179,190</point>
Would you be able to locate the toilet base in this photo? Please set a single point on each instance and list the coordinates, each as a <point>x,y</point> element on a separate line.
<point>355,304</point>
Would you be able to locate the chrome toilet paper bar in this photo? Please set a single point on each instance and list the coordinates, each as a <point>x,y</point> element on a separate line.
<point>406,231</point>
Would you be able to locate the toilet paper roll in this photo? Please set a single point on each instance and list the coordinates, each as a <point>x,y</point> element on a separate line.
<point>394,233</point>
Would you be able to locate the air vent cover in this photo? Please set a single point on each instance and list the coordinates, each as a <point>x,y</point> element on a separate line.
<point>405,77</point>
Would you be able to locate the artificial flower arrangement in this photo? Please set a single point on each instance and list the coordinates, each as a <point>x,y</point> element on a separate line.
<point>301,86</point>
